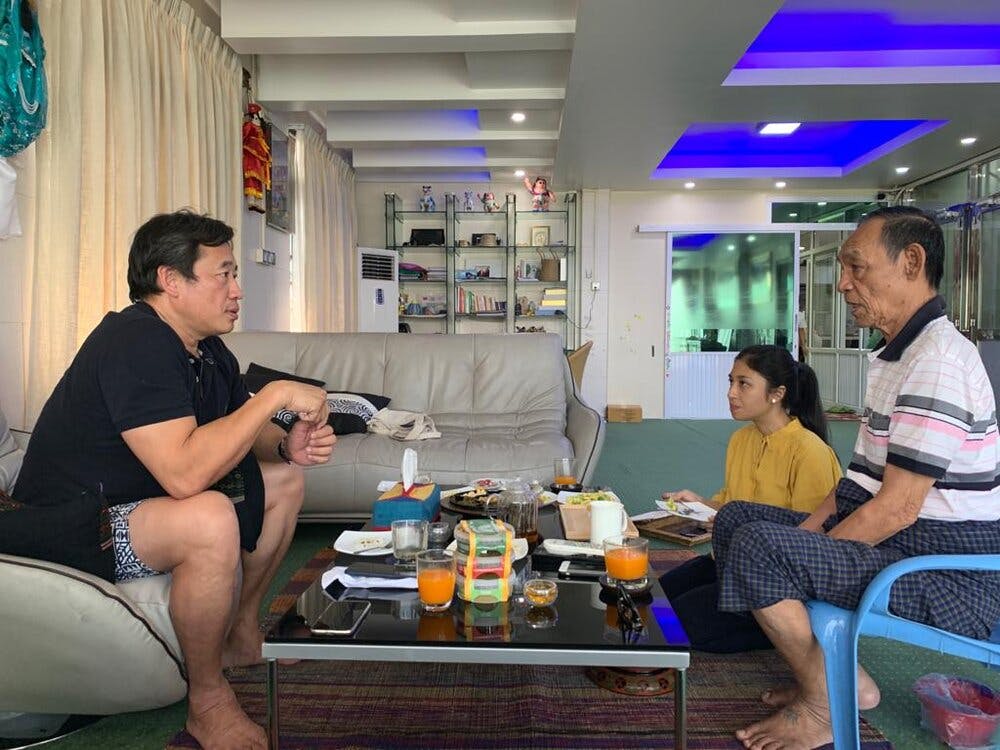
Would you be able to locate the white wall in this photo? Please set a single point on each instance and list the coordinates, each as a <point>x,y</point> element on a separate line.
<point>13,291</point>
<point>266,289</point>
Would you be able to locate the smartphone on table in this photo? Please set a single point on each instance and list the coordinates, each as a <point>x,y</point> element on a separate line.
<point>576,569</point>
<point>340,618</point>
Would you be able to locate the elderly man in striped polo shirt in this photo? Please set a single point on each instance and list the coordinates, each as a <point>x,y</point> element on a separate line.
<point>923,480</point>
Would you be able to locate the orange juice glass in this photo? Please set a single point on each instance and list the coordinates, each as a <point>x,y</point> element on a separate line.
<point>627,560</point>
<point>435,579</point>
<point>564,470</point>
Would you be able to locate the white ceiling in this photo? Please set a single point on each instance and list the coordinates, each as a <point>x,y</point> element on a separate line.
<point>423,89</point>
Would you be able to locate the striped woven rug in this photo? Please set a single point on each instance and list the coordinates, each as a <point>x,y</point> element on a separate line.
<point>437,706</point>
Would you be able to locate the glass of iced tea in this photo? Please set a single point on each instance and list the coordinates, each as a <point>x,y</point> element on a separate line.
<point>435,579</point>
<point>564,470</point>
<point>626,559</point>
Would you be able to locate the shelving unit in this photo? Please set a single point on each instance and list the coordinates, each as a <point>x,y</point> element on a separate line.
<point>496,277</point>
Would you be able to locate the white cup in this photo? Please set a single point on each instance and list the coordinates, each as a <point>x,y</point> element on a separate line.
<point>607,518</point>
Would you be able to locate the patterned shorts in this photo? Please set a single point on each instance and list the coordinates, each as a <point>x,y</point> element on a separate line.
<point>128,566</point>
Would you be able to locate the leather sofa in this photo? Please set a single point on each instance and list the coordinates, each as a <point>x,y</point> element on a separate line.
<point>72,643</point>
<point>505,405</point>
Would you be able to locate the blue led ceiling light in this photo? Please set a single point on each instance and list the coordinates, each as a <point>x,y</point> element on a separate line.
<point>692,241</point>
<point>816,149</point>
<point>842,42</point>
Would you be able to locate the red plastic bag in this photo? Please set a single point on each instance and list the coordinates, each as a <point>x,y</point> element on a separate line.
<point>962,713</point>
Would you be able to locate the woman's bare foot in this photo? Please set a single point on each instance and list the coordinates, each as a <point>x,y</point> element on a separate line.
<point>868,694</point>
<point>801,725</point>
<point>216,720</point>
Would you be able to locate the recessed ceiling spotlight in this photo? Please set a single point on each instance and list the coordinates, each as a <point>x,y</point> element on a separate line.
<point>902,170</point>
<point>517,116</point>
<point>519,173</point>
<point>778,128</point>
<point>967,141</point>
<point>751,237</point>
<point>780,184</point>
<point>793,215</point>
<point>820,203</point>
<point>730,248</point>
<point>689,186</point>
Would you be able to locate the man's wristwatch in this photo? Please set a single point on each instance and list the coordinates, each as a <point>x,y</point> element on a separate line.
<point>282,454</point>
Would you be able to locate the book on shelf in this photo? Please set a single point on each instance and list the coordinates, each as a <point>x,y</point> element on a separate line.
<point>470,303</point>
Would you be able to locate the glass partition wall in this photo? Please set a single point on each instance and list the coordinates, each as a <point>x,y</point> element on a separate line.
<point>726,291</point>
<point>833,344</point>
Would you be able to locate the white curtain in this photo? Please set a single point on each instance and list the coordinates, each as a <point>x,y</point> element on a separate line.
<point>323,288</point>
<point>144,117</point>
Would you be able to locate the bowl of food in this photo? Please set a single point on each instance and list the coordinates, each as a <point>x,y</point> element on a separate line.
<point>540,592</point>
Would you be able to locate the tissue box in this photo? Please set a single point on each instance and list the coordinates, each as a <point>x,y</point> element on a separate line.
<point>421,503</point>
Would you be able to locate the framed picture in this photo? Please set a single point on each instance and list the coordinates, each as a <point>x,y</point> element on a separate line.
<point>278,200</point>
<point>540,236</point>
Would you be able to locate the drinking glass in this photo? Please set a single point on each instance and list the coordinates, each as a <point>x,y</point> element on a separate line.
<point>408,538</point>
<point>627,560</point>
<point>438,534</point>
<point>435,579</point>
<point>564,471</point>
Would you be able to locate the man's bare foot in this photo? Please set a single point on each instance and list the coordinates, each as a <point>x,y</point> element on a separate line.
<point>218,723</point>
<point>243,647</point>
<point>801,725</point>
<point>868,694</point>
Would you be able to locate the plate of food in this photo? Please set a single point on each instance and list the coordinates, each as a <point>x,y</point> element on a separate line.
<point>488,484</point>
<point>474,502</point>
<point>587,497</point>
<point>368,543</point>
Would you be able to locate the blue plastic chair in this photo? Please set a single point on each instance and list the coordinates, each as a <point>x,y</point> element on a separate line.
<point>837,631</point>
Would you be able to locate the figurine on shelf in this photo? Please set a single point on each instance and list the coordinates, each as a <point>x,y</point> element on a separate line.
<point>427,200</point>
<point>490,204</point>
<point>256,158</point>
<point>467,201</point>
<point>540,193</point>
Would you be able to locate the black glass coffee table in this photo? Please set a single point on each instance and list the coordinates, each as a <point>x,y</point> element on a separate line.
<point>580,629</point>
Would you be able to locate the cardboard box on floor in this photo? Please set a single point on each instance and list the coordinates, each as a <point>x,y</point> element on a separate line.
<point>624,413</point>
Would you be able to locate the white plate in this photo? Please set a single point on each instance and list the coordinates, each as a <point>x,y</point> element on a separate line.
<point>362,543</point>
<point>520,547</point>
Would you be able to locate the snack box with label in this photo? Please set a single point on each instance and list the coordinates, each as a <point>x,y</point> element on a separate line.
<point>484,556</point>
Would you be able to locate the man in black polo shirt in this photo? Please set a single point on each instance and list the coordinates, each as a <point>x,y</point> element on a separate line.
<point>153,414</point>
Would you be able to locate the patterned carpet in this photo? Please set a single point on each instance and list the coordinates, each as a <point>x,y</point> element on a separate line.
<point>379,704</point>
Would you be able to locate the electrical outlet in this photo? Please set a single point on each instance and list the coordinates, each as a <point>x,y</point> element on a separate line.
<point>595,286</point>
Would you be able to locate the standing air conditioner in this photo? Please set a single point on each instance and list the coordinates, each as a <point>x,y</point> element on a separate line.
<point>378,290</point>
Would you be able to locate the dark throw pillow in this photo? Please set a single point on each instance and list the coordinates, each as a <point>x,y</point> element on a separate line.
<point>351,412</point>
<point>76,533</point>
<point>257,376</point>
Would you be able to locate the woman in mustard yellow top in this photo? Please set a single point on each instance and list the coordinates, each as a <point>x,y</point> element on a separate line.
<point>781,458</point>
